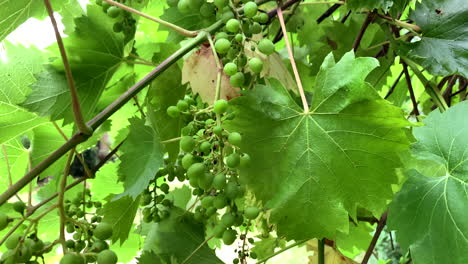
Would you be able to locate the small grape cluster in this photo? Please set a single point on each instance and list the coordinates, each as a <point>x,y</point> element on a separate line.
<point>156,206</point>
<point>88,243</point>
<point>211,157</point>
<point>125,23</point>
<point>22,248</point>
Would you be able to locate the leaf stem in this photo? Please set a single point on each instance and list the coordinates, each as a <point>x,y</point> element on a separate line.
<point>431,89</point>
<point>282,250</point>
<point>181,31</point>
<point>321,251</point>
<point>410,89</point>
<point>108,157</point>
<point>78,116</point>
<point>171,140</point>
<point>195,250</point>
<point>220,70</point>
<point>291,59</point>
<point>7,162</point>
<point>380,227</point>
<point>411,27</point>
<point>365,25</point>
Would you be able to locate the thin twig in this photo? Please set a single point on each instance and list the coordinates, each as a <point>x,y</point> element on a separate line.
<point>181,31</point>
<point>395,83</point>
<point>365,25</point>
<point>220,69</point>
<point>282,250</point>
<point>380,226</point>
<point>30,191</point>
<point>61,197</point>
<point>272,13</point>
<point>448,91</point>
<point>79,119</point>
<point>135,99</point>
<point>293,63</point>
<point>328,13</point>
<point>411,27</point>
<point>107,157</point>
<point>410,89</point>
<point>7,162</point>
<point>323,2</point>
<point>195,250</point>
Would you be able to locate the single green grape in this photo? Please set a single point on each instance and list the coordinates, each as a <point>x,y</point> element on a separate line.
<point>72,258</point>
<point>195,4</point>
<point>231,190</point>
<point>218,130</point>
<point>256,65</point>
<point>113,11</point>
<point>164,188</point>
<point>220,106</point>
<point>3,221</point>
<point>182,105</point>
<point>172,3</point>
<point>233,160</point>
<point>19,207</point>
<point>229,236</point>
<point>222,45</point>
<point>255,28</point>
<point>227,220</point>
<point>187,160</point>
<point>220,4</point>
<point>232,25</point>
<point>183,6</point>
<point>266,46</point>
<point>219,202</point>
<point>187,143</point>
<point>99,246</point>
<point>207,201</point>
<point>230,68</point>
<point>218,231</point>
<point>99,2</point>
<point>219,181</point>
<point>250,9</point>
<point>205,147</point>
<point>38,245</point>
<point>235,139</point>
<point>237,80</point>
<point>107,257</point>
<point>261,18</point>
<point>103,231</point>
<point>118,27</point>
<point>173,111</point>
<point>244,160</point>
<point>105,6</point>
<point>206,181</point>
<point>13,241</point>
<point>239,37</point>
<point>221,35</point>
<point>251,212</point>
<point>196,171</point>
<point>207,10</point>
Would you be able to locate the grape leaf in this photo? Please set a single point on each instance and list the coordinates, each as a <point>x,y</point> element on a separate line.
<point>142,157</point>
<point>178,236</point>
<point>17,73</point>
<point>15,13</point>
<point>17,157</point>
<point>95,52</point>
<point>443,47</point>
<point>327,162</point>
<point>105,182</point>
<point>120,213</point>
<point>429,213</point>
<point>371,4</point>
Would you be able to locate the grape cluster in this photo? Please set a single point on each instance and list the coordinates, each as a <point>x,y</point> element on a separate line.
<point>125,23</point>
<point>22,248</point>
<point>211,157</point>
<point>88,243</point>
<point>156,206</point>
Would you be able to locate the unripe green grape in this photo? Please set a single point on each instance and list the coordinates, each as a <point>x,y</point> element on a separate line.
<point>227,220</point>
<point>205,147</point>
<point>147,218</point>
<point>103,231</point>
<point>209,121</point>
<point>19,207</point>
<point>3,221</point>
<point>232,190</point>
<point>13,241</point>
<point>99,2</point>
<point>195,4</point>
<point>206,181</point>
<point>70,243</point>
<point>187,161</point>
<point>253,255</point>
<point>235,139</point>
<point>233,160</point>
<point>226,14</point>
<point>107,257</point>
<point>232,25</point>
<point>210,211</point>
<point>218,130</point>
<point>105,6</point>
<point>113,11</point>
<point>255,28</point>
<point>251,212</point>
<point>207,201</point>
<point>221,35</point>
<point>218,231</point>
<point>77,236</point>
<point>220,4</point>
<point>187,143</point>
<point>24,254</point>
<point>261,18</point>
<point>239,37</point>
<point>37,246</point>
<point>222,45</point>
<point>183,6</point>
<point>219,202</point>
<point>244,161</point>
<point>250,9</point>
<point>230,68</point>
<point>237,80</point>
<point>207,10</point>
<point>118,27</point>
<point>229,236</point>
<point>196,171</point>
<point>256,65</point>
<point>164,188</point>
<point>219,181</point>
<point>182,105</point>
<point>220,106</point>
<point>172,3</point>
<point>266,46</point>
<point>146,199</point>
<point>70,228</point>
<point>72,258</point>
<point>173,111</point>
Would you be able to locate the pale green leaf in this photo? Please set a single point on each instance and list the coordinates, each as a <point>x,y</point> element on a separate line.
<point>120,214</point>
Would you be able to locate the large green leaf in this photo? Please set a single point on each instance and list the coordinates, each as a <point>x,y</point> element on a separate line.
<point>443,48</point>
<point>15,12</point>
<point>95,52</point>
<point>120,214</point>
<point>314,169</point>
<point>142,157</point>
<point>177,237</point>
<point>430,212</point>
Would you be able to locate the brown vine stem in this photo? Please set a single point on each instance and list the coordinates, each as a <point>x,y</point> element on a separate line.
<point>181,31</point>
<point>79,120</point>
<point>293,63</point>
<point>195,250</point>
<point>410,89</point>
<point>365,25</point>
<point>61,197</point>
<point>380,227</point>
